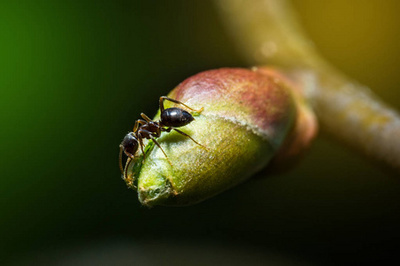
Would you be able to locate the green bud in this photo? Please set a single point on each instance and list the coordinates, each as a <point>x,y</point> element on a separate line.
<point>247,118</point>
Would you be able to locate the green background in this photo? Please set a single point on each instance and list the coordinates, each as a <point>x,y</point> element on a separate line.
<point>74,76</point>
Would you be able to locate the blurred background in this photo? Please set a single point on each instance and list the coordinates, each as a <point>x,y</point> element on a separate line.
<point>74,76</point>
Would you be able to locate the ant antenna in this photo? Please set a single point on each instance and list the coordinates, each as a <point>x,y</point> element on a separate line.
<point>120,159</point>
<point>128,163</point>
<point>130,181</point>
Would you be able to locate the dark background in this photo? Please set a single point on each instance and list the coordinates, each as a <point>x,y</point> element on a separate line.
<point>74,76</point>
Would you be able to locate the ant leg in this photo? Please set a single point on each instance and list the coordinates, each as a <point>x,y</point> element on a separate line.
<point>150,134</point>
<point>155,141</point>
<point>186,135</point>
<point>163,98</point>
<point>141,146</point>
<point>145,117</point>
<point>137,123</point>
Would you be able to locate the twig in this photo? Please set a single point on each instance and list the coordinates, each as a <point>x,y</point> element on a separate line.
<point>267,33</point>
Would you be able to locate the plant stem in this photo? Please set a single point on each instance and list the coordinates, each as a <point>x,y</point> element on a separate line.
<point>267,33</point>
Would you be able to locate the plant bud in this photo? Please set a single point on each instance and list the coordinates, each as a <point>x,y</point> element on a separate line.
<point>248,117</point>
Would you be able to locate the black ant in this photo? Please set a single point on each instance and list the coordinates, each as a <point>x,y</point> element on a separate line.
<point>171,118</point>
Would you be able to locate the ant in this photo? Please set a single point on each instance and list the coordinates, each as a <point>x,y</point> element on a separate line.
<point>171,118</point>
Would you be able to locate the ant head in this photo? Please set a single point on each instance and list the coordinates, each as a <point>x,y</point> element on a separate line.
<point>176,117</point>
<point>130,145</point>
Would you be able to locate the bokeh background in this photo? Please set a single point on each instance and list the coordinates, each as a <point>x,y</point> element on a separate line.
<point>74,76</point>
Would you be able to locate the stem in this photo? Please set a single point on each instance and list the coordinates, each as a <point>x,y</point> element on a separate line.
<point>268,33</point>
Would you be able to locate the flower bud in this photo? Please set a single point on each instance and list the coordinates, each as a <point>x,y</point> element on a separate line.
<point>247,117</point>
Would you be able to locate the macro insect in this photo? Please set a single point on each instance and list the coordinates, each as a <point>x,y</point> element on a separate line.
<point>145,128</point>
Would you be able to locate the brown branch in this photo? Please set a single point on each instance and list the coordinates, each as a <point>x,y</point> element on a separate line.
<point>267,33</point>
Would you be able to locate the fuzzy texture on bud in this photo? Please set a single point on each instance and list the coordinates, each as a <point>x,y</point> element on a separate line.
<point>248,117</point>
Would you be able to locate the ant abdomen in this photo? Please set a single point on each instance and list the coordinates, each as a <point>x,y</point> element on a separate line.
<point>175,117</point>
